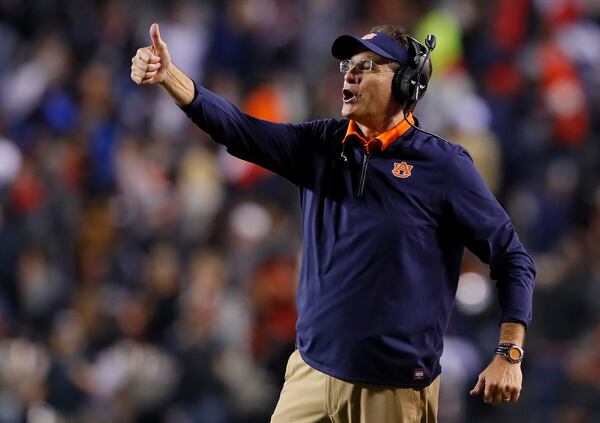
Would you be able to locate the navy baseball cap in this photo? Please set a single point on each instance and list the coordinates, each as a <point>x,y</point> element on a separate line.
<point>345,46</point>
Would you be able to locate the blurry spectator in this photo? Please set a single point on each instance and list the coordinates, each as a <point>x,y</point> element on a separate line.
<point>11,162</point>
<point>563,95</point>
<point>67,381</point>
<point>273,293</point>
<point>133,377</point>
<point>144,275</point>
<point>23,367</point>
<point>42,289</point>
<point>161,288</point>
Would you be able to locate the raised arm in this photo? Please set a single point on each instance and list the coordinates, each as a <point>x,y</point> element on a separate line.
<point>281,148</point>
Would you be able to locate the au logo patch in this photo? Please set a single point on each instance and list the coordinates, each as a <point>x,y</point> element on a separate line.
<point>402,170</point>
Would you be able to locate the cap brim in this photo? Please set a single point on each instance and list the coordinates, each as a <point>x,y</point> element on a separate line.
<point>346,46</point>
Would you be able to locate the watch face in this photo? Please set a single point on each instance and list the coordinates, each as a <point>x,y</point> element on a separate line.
<point>514,353</point>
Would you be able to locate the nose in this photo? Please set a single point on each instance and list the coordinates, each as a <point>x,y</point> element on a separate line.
<point>352,75</point>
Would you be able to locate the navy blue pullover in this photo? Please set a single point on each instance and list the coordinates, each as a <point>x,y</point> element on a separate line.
<point>379,268</point>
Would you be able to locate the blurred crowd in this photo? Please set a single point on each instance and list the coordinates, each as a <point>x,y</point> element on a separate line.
<point>147,276</point>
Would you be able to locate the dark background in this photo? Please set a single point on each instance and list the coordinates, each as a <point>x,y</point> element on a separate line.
<point>147,276</point>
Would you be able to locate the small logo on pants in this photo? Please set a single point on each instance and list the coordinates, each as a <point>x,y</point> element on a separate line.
<point>419,374</point>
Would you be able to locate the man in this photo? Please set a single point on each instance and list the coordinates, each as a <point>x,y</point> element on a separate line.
<point>386,212</point>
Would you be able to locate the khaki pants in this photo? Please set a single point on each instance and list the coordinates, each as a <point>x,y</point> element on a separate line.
<point>309,396</point>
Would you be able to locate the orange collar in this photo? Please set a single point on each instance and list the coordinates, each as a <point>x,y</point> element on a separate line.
<point>385,139</point>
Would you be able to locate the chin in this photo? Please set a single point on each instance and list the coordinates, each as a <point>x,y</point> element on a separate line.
<point>347,113</point>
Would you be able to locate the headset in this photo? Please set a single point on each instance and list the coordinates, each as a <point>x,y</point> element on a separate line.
<point>410,81</point>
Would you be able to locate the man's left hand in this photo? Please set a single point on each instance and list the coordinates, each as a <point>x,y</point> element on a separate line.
<point>500,382</point>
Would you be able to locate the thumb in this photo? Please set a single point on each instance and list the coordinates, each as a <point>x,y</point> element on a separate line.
<point>478,387</point>
<point>157,42</point>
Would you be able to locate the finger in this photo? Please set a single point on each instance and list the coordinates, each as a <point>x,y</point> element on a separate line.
<point>149,78</point>
<point>137,71</point>
<point>490,392</point>
<point>145,55</point>
<point>501,397</point>
<point>145,67</point>
<point>139,75</point>
<point>152,67</point>
<point>508,394</point>
<point>486,393</point>
<point>157,42</point>
<point>478,387</point>
<point>515,394</point>
<point>152,79</point>
<point>136,78</point>
<point>138,65</point>
<point>145,58</point>
<point>154,58</point>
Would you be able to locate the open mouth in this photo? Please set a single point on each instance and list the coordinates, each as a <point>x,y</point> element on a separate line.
<point>348,95</point>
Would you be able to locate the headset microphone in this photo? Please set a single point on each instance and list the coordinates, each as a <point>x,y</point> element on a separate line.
<point>430,42</point>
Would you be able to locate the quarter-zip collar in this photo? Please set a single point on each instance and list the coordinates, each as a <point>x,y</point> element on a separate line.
<point>379,143</point>
<point>382,141</point>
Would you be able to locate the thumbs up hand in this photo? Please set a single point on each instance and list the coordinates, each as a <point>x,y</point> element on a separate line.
<point>150,64</point>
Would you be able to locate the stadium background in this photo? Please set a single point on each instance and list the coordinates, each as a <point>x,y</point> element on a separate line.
<point>147,276</point>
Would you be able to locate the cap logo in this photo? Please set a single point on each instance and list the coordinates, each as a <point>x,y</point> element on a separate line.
<point>369,36</point>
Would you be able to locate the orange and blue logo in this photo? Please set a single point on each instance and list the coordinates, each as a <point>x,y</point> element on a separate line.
<point>402,170</point>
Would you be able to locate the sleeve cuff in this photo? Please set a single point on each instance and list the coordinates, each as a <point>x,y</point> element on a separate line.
<point>513,320</point>
<point>191,105</point>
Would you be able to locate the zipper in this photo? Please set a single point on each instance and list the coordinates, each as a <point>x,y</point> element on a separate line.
<point>363,175</point>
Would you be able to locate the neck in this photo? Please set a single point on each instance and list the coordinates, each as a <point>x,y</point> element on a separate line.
<point>373,129</point>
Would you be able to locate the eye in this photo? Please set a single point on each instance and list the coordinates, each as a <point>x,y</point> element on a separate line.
<point>364,64</point>
<point>345,66</point>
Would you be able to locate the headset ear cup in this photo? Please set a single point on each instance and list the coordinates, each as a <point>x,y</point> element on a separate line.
<point>399,87</point>
<point>420,79</point>
<point>403,89</point>
<point>402,85</point>
<point>410,81</point>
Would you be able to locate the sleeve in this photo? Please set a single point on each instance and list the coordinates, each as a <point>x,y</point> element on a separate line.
<point>487,231</point>
<point>278,147</point>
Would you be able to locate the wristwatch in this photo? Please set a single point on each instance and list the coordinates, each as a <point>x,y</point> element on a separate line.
<point>512,352</point>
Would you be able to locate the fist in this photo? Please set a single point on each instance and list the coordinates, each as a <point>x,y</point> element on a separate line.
<point>500,382</point>
<point>150,64</point>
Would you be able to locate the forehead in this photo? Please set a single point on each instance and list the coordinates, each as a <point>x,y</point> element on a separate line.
<point>367,54</point>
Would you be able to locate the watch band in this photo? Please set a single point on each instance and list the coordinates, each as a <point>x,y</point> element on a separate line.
<point>513,353</point>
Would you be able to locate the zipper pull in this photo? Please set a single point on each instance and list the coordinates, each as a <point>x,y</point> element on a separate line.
<point>363,175</point>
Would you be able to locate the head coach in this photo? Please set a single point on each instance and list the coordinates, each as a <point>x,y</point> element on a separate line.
<point>387,209</point>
